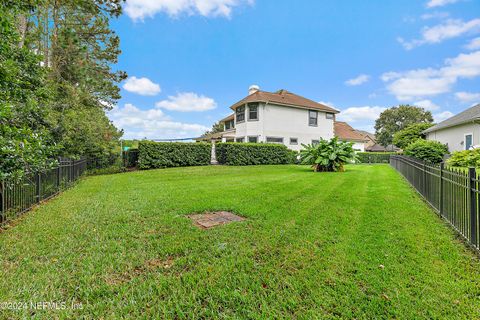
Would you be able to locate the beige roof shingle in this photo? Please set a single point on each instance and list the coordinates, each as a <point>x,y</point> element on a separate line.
<point>344,131</point>
<point>284,97</point>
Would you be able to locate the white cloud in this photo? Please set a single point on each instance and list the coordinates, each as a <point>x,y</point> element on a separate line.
<point>186,102</point>
<point>152,124</point>
<point>439,3</point>
<point>359,114</point>
<point>427,105</point>
<point>439,117</point>
<point>141,86</point>
<point>328,104</point>
<point>435,15</point>
<point>141,9</point>
<point>451,28</point>
<point>468,96</point>
<point>474,44</point>
<point>422,83</point>
<point>361,79</point>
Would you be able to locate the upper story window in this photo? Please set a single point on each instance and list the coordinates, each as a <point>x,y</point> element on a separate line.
<point>253,111</point>
<point>240,114</point>
<point>330,116</point>
<point>312,118</point>
<point>230,124</point>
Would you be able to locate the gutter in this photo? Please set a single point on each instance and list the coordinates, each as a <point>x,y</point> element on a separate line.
<point>474,121</point>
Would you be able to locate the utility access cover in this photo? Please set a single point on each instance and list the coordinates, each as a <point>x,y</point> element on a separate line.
<point>212,219</point>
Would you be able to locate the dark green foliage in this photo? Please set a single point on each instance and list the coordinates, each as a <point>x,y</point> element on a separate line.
<point>172,154</point>
<point>245,154</point>
<point>398,118</point>
<point>130,158</point>
<point>328,155</point>
<point>427,150</point>
<point>374,157</point>
<point>410,134</point>
<point>466,158</point>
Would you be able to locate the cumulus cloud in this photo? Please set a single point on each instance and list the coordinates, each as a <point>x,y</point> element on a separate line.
<point>151,124</point>
<point>141,9</point>
<point>361,79</point>
<point>439,3</point>
<point>439,117</point>
<point>474,44</point>
<point>141,86</point>
<point>435,15</point>
<point>422,83</point>
<point>359,114</point>
<point>451,28</point>
<point>467,96</point>
<point>427,105</point>
<point>187,102</point>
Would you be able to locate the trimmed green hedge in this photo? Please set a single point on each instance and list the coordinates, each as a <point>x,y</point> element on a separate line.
<point>172,154</point>
<point>130,158</point>
<point>374,157</point>
<point>245,154</point>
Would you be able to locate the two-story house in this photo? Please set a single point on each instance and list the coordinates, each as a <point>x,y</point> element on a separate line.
<point>282,117</point>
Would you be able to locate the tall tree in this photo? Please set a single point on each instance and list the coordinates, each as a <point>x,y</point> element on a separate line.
<point>25,140</point>
<point>397,118</point>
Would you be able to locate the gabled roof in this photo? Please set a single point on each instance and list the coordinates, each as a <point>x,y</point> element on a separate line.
<point>380,148</point>
<point>344,131</point>
<point>284,97</point>
<point>230,117</point>
<point>466,116</point>
<point>367,135</point>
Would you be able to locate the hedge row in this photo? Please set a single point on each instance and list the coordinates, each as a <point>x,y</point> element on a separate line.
<point>374,157</point>
<point>172,154</point>
<point>244,154</point>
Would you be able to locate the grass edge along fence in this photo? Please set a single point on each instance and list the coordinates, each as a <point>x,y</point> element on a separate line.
<point>453,193</point>
<point>18,196</point>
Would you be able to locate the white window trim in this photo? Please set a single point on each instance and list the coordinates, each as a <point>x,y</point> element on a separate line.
<point>266,139</point>
<point>248,113</point>
<point>293,144</point>
<point>248,139</point>
<point>312,125</point>
<point>465,140</point>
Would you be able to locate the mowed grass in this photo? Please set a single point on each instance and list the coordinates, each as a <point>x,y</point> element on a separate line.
<point>359,244</point>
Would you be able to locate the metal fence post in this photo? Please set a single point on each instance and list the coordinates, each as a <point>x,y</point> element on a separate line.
<point>472,177</point>
<point>440,209</point>
<point>424,187</point>
<point>2,203</point>
<point>38,181</point>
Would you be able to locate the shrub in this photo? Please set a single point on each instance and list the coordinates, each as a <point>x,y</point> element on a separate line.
<point>374,157</point>
<point>244,154</point>
<point>328,155</point>
<point>130,158</point>
<point>427,150</point>
<point>410,134</point>
<point>466,158</point>
<point>172,154</point>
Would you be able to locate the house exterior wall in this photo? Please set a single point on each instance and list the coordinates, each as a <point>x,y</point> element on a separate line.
<point>359,146</point>
<point>454,137</point>
<point>284,122</point>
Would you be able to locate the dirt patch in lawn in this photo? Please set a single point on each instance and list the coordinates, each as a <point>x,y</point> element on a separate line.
<point>209,220</point>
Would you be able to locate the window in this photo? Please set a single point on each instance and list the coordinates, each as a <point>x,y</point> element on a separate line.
<point>253,139</point>
<point>230,124</point>
<point>468,141</point>
<point>312,118</point>
<point>252,111</point>
<point>293,140</point>
<point>240,139</point>
<point>274,140</point>
<point>315,142</point>
<point>230,140</point>
<point>240,114</point>
<point>330,116</point>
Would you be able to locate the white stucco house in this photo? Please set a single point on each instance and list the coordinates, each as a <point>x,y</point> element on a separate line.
<point>460,132</point>
<point>286,118</point>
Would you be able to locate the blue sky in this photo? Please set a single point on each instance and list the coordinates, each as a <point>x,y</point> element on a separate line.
<point>189,60</point>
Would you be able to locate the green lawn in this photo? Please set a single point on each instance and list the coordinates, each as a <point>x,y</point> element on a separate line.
<point>359,244</point>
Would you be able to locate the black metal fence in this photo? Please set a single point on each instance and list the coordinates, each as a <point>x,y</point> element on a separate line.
<point>453,193</point>
<point>20,195</point>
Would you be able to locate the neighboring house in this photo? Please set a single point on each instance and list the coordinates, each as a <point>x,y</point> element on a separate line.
<point>460,132</point>
<point>380,148</point>
<point>369,137</point>
<point>283,117</point>
<point>344,132</point>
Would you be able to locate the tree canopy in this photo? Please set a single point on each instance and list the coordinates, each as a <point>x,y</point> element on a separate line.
<point>410,134</point>
<point>398,118</point>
